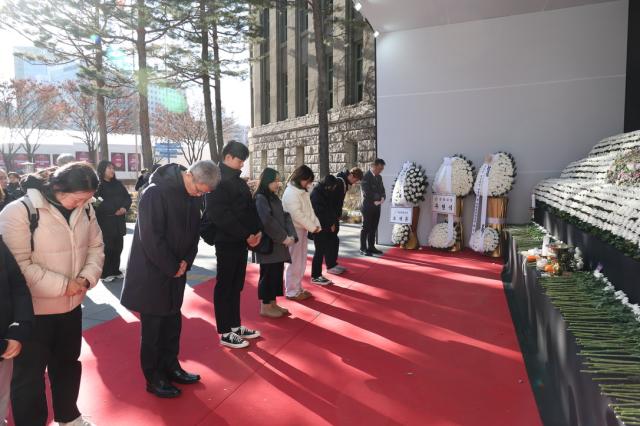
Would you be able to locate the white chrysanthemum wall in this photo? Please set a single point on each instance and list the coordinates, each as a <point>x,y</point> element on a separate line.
<point>544,87</point>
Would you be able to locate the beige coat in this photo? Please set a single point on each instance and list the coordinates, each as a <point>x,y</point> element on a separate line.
<point>62,251</point>
<point>297,202</point>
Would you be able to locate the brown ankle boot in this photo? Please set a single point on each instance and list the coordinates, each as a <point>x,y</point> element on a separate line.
<point>269,311</point>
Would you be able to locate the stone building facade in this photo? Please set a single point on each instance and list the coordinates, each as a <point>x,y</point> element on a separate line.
<point>284,128</point>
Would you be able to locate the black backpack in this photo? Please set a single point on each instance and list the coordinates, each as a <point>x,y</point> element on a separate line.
<point>34,215</point>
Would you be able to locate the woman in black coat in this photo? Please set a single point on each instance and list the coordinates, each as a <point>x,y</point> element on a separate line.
<point>322,200</point>
<point>16,316</point>
<point>111,210</point>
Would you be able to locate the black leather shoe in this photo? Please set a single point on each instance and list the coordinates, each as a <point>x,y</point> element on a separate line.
<point>366,253</point>
<point>163,389</point>
<point>375,251</point>
<point>178,375</point>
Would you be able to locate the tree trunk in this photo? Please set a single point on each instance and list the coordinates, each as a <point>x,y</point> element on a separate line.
<point>216,74</point>
<point>101,111</point>
<point>322,95</point>
<point>143,87</point>
<point>206,83</point>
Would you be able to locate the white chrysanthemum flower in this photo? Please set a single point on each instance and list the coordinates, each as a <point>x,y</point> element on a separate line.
<point>491,239</point>
<point>400,234</point>
<point>439,236</point>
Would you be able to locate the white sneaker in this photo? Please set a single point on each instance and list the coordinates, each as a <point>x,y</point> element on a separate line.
<point>232,340</point>
<point>342,268</point>
<point>108,279</point>
<point>80,421</point>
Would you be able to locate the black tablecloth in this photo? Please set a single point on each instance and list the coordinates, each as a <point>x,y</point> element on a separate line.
<point>564,395</point>
<point>621,270</point>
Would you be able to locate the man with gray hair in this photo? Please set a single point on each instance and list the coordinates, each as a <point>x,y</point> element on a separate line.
<point>65,159</point>
<point>165,244</point>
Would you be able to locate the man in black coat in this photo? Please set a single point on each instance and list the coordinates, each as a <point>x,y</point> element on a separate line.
<point>373,195</point>
<point>346,179</point>
<point>16,317</point>
<point>165,244</point>
<point>231,210</point>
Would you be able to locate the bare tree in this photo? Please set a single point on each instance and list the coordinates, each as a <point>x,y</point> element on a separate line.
<point>38,109</point>
<point>185,128</point>
<point>82,114</point>
<point>8,148</point>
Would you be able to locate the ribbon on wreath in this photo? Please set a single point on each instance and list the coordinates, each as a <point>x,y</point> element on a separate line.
<point>482,197</point>
<point>442,185</point>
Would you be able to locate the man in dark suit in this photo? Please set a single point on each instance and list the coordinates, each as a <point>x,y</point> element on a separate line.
<point>373,196</point>
<point>165,244</point>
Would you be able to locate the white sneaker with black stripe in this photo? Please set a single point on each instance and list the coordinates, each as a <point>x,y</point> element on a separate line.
<point>232,340</point>
<point>245,333</point>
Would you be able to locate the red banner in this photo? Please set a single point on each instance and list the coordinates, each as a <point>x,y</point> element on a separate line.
<point>118,160</point>
<point>82,156</point>
<point>133,161</point>
<point>42,161</point>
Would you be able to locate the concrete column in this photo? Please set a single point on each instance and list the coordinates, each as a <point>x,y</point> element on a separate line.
<point>291,61</point>
<point>339,54</point>
<point>273,65</point>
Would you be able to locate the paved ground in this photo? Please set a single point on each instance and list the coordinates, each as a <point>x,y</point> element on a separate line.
<point>103,302</point>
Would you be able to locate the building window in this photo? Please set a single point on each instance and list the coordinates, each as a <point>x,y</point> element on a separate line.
<point>265,83</point>
<point>263,160</point>
<point>327,13</point>
<point>355,58</point>
<point>280,161</point>
<point>299,155</point>
<point>302,50</point>
<point>352,154</point>
<point>281,64</point>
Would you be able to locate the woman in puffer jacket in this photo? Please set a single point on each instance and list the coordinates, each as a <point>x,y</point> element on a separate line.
<point>297,202</point>
<point>61,259</point>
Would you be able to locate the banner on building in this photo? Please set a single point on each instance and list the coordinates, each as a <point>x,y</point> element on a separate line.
<point>118,160</point>
<point>82,156</point>
<point>133,162</point>
<point>42,161</point>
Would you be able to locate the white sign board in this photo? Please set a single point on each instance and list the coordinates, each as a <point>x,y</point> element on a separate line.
<point>443,203</point>
<point>401,215</point>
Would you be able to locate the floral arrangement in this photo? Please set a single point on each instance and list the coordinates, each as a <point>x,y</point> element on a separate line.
<point>501,176</point>
<point>400,234</point>
<point>462,173</point>
<point>625,169</point>
<point>439,236</point>
<point>489,236</point>
<point>584,196</point>
<point>410,185</point>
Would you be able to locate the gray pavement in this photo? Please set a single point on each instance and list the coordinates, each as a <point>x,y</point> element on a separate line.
<point>103,302</point>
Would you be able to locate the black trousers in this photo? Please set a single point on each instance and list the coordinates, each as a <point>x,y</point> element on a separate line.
<point>370,220</point>
<point>160,344</point>
<point>112,251</point>
<point>270,282</point>
<point>323,244</point>
<point>331,255</point>
<point>232,268</point>
<point>54,346</point>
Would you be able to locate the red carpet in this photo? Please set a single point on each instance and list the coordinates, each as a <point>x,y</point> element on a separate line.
<point>413,338</point>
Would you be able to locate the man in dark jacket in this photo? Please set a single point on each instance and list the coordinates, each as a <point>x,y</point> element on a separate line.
<point>16,316</point>
<point>346,179</point>
<point>230,208</point>
<point>165,244</point>
<point>373,196</point>
<point>323,200</point>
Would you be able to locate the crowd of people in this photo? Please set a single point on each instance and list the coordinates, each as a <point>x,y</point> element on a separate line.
<point>61,231</point>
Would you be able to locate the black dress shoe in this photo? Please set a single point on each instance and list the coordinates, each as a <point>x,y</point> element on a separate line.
<point>178,375</point>
<point>375,251</point>
<point>163,389</point>
<point>366,253</point>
